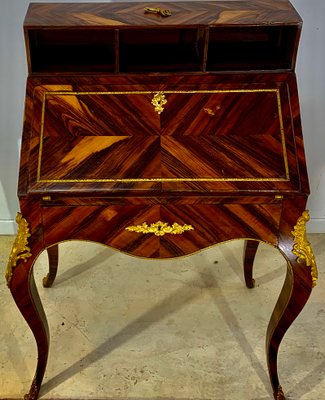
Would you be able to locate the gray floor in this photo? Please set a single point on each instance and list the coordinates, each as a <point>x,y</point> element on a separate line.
<point>123,327</point>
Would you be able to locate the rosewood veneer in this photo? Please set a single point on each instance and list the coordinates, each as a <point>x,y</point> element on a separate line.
<point>160,130</point>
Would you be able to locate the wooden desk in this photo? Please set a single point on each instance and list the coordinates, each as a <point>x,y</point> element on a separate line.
<point>161,135</point>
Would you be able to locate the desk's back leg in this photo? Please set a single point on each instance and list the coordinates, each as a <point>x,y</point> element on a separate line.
<point>250,248</point>
<point>301,277</point>
<point>20,280</point>
<point>53,256</point>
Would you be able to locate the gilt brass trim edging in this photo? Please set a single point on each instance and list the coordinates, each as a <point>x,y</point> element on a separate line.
<point>160,228</point>
<point>46,94</point>
<point>302,248</point>
<point>194,252</point>
<point>20,250</point>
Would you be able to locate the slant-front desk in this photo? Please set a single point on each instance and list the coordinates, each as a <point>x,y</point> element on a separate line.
<point>160,130</point>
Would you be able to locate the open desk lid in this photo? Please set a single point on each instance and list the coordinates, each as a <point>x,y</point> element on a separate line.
<point>159,135</point>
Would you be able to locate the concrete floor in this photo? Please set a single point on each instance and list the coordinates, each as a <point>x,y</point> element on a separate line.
<point>123,327</point>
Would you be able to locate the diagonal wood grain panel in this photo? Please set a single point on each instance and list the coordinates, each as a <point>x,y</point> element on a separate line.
<point>119,13</point>
<point>87,135</point>
<point>212,224</point>
<point>122,143</point>
<point>99,114</point>
<point>108,156</point>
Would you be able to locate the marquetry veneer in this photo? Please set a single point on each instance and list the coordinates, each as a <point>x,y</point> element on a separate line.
<point>160,132</point>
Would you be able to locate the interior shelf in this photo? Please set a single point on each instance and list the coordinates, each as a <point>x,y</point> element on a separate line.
<point>162,49</point>
<point>251,48</point>
<point>72,50</point>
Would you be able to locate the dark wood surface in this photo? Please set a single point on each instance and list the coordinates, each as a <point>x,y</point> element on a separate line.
<point>73,146</point>
<point>250,12</point>
<point>224,158</point>
<point>250,249</point>
<point>198,36</point>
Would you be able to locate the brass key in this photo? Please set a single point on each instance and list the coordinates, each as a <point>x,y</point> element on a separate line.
<point>162,12</point>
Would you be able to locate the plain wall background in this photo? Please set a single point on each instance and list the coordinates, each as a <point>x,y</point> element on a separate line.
<point>13,72</point>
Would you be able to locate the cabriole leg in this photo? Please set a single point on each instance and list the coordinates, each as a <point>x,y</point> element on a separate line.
<point>300,279</point>
<point>250,248</point>
<point>53,256</point>
<point>21,282</point>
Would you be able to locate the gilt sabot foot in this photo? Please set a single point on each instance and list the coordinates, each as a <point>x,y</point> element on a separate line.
<point>279,395</point>
<point>33,392</point>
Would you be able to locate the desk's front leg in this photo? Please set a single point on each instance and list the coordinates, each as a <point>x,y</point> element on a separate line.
<point>20,280</point>
<point>300,279</point>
